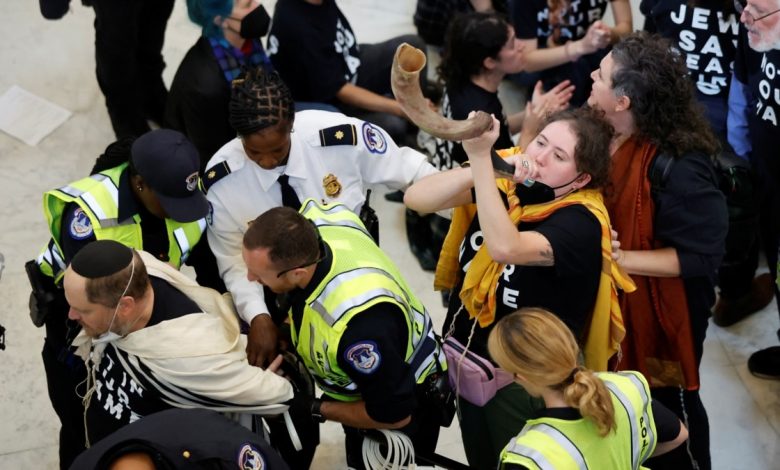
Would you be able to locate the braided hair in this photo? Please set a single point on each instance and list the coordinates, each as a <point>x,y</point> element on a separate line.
<point>260,100</point>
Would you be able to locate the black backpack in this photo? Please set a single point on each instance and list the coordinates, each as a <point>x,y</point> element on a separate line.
<point>735,181</point>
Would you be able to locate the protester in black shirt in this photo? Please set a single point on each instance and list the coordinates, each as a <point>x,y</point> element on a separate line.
<point>546,251</point>
<point>315,51</point>
<point>565,40</point>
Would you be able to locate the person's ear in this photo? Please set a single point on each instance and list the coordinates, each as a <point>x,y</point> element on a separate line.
<point>126,307</point>
<point>137,182</point>
<point>582,180</point>
<point>489,63</point>
<point>623,103</point>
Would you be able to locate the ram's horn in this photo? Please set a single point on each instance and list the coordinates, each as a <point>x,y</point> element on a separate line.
<point>405,80</point>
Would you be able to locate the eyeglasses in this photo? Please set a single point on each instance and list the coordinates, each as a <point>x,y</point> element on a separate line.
<point>741,6</point>
<point>282,273</point>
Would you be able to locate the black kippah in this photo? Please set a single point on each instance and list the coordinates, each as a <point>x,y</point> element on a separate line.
<point>101,258</point>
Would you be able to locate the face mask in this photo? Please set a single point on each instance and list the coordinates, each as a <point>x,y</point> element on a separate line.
<point>109,335</point>
<point>255,24</point>
<point>534,192</point>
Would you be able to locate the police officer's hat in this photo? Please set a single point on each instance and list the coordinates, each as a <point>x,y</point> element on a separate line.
<point>168,162</point>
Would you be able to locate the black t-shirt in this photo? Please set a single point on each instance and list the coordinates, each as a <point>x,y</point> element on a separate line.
<point>531,20</point>
<point>707,34</point>
<point>667,424</point>
<point>457,103</point>
<point>760,71</point>
<point>118,399</point>
<point>313,48</point>
<point>76,230</point>
<point>568,288</point>
<point>371,351</point>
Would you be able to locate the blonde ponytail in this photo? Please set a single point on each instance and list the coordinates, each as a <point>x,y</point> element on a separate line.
<point>537,345</point>
<point>588,394</point>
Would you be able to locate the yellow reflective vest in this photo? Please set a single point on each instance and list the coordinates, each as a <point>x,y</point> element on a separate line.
<point>98,197</point>
<point>559,444</point>
<point>360,276</point>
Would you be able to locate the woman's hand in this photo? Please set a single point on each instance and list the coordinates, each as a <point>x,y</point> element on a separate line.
<point>554,100</point>
<point>597,37</point>
<point>617,254</point>
<point>479,147</point>
<point>525,168</point>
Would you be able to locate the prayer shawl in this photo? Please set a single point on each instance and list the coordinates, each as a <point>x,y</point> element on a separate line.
<point>606,329</point>
<point>659,342</point>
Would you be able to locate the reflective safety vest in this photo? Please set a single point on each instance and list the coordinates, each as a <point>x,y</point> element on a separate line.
<point>98,197</point>
<point>559,444</point>
<point>361,276</point>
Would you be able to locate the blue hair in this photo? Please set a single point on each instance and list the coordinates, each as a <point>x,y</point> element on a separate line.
<point>203,12</point>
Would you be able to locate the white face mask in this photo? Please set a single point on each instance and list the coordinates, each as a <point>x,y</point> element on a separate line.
<point>110,336</point>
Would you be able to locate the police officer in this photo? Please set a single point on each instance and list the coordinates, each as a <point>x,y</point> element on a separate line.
<point>179,439</point>
<point>362,333</point>
<point>281,158</point>
<point>144,195</point>
<point>606,421</point>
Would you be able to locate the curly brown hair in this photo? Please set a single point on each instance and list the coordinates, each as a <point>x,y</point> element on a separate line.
<point>594,135</point>
<point>649,72</point>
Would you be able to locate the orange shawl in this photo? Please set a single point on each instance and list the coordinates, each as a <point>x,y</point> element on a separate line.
<point>479,286</point>
<point>658,342</point>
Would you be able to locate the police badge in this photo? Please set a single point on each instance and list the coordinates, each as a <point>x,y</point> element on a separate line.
<point>331,185</point>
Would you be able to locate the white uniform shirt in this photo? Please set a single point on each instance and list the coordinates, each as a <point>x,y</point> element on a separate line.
<point>248,191</point>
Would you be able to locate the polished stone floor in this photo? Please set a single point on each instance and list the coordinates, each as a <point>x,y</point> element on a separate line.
<point>54,60</point>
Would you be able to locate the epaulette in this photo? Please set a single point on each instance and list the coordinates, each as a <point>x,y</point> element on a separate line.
<point>343,134</point>
<point>214,174</point>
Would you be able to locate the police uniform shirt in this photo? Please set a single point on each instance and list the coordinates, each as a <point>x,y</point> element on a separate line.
<point>118,399</point>
<point>667,424</point>
<point>371,352</point>
<point>77,231</point>
<point>185,438</point>
<point>333,158</point>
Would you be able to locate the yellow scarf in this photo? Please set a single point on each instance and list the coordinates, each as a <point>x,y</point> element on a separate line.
<point>477,294</point>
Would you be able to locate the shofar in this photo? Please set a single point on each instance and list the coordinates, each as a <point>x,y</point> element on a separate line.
<point>405,81</point>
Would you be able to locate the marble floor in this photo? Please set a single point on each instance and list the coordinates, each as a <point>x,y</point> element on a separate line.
<point>55,61</point>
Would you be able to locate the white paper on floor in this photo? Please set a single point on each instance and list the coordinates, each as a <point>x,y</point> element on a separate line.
<point>29,117</point>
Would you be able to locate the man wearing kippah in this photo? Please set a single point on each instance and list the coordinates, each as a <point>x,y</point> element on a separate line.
<point>153,339</point>
<point>142,193</point>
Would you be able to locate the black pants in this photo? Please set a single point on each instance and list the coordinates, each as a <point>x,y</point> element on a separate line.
<point>376,61</point>
<point>685,404</point>
<point>65,376</point>
<point>129,36</point>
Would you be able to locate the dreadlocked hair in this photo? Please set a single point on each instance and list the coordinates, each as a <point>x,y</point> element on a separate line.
<point>260,99</point>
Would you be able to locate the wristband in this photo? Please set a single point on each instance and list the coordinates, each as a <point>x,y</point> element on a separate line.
<point>316,411</point>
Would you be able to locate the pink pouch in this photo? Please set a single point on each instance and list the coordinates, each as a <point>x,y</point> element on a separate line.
<point>473,377</point>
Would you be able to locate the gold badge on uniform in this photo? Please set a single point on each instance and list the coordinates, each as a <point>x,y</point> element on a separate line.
<point>331,185</point>
<point>339,135</point>
<point>211,174</point>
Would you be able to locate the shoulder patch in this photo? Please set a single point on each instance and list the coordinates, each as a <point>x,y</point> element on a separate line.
<point>343,134</point>
<point>80,225</point>
<point>363,356</point>
<point>374,138</point>
<point>250,458</point>
<point>214,174</point>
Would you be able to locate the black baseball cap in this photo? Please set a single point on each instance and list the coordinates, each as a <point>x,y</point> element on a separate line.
<point>169,164</point>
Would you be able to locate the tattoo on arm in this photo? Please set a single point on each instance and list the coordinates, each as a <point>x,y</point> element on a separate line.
<point>546,257</point>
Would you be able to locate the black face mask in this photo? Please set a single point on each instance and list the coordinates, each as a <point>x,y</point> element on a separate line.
<point>255,24</point>
<point>538,193</point>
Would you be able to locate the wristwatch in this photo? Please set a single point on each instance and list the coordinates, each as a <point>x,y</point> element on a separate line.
<point>316,411</point>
